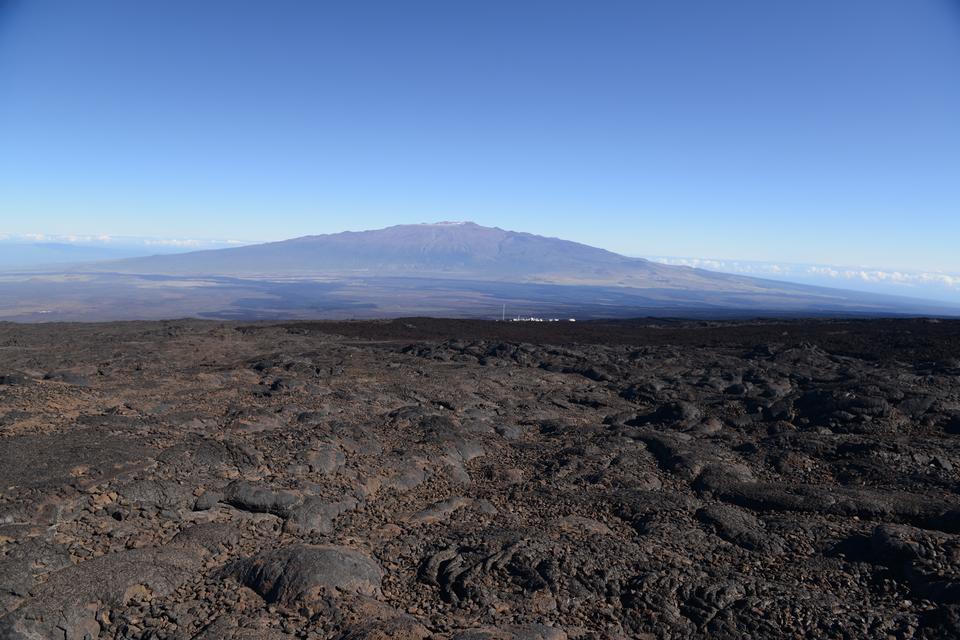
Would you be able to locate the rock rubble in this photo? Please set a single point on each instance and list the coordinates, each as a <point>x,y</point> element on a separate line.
<point>449,480</point>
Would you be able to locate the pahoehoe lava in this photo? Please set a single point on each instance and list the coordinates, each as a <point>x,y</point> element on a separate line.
<point>423,478</point>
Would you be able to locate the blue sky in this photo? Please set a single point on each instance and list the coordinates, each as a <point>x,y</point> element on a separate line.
<point>815,132</point>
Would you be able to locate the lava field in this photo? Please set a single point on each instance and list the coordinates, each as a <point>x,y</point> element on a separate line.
<point>423,478</point>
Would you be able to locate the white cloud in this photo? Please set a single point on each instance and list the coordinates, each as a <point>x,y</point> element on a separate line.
<point>173,242</point>
<point>191,242</point>
<point>729,266</point>
<point>895,277</point>
<point>824,271</point>
<point>843,275</point>
<point>952,281</point>
<point>100,239</point>
<point>73,238</point>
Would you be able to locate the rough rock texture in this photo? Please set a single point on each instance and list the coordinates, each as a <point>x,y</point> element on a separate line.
<point>448,479</point>
<point>297,573</point>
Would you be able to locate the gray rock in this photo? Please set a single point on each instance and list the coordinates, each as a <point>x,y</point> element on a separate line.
<point>67,604</point>
<point>14,378</point>
<point>298,573</point>
<point>326,459</point>
<point>75,457</point>
<point>68,377</point>
<point>739,527</point>
<point>22,563</point>
<point>316,515</point>
<point>157,494</point>
<point>249,496</point>
<point>440,511</point>
<point>925,560</point>
<point>210,536</point>
<point>207,500</point>
<point>512,632</point>
<point>397,628</point>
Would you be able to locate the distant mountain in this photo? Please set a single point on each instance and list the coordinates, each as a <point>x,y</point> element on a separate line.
<point>444,269</point>
<point>448,250</point>
<point>460,250</point>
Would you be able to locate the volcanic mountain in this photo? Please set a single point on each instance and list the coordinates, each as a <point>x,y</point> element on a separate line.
<point>454,269</point>
<point>450,250</point>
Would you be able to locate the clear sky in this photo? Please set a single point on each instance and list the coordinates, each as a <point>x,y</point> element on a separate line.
<point>815,131</point>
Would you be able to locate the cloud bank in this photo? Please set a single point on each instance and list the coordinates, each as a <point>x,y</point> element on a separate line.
<point>943,285</point>
<point>111,240</point>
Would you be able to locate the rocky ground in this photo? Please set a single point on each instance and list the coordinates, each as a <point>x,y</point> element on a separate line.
<point>440,479</point>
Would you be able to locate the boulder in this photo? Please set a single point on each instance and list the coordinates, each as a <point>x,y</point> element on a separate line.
<point>302,573</point>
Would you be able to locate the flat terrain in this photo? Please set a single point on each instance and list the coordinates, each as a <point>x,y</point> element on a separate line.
<point>423,478</point>
<point>81,296</point>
